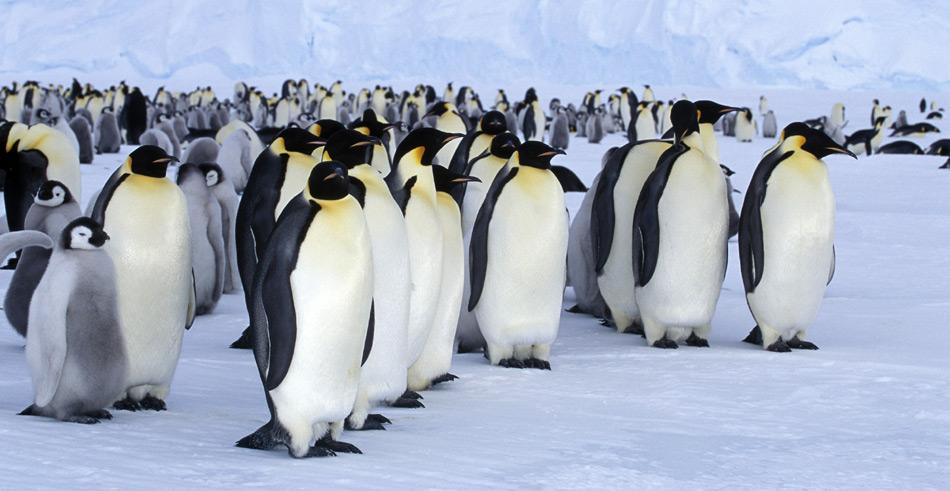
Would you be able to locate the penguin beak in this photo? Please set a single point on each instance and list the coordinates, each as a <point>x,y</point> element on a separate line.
<point>552,153</point>
<point>317,143</point>
<point>361,144</point>
<point>727,109</point>
<point>453,136</point>
<point>392,126</point>
<point>509,144</point>
<point>460,179</point>
<point>165,160</point>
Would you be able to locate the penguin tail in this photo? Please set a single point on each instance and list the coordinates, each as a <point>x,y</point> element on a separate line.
<point>29,411</point>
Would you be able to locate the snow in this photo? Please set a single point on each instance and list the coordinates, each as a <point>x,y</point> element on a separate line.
<point>846,44</point>
<point>867,411</point>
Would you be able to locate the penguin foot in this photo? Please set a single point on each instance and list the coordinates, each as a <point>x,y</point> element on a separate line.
<point>607,322</point>
<point>405,402</point>
<point>316,451</point>
<point>411,394</point>
<point>243,342</point>
<point>779,347</point>
<point>337,446</point>
<point>536,363</point>
<point>754,337</point>
<point>511,363</point>
<point>126,404</point>
<point>696,341</point>
<point>261,439</point>
<point>796,343</point>
<point>81,419</point>
<point>447,377</point>
<point>665,343</point>
<point>576,309</point>
<point>153,403</point>
<point>98,414</point>
<point>367,425</point>
<point>379,418</point>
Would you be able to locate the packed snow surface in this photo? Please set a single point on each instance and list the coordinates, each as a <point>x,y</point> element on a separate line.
<point>868,411</point>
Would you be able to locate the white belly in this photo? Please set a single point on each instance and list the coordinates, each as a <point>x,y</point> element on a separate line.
<point>332,291</point>
<point>798,234</point>
<point>527,249</point>
<point>645,127</point>
<point>745,131</point>
<point>425,264</point>
<point>694,228</point>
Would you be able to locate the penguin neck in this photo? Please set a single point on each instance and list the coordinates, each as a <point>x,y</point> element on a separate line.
<point>710,145</point>
<point>411,164</point>
<point>694,140</point>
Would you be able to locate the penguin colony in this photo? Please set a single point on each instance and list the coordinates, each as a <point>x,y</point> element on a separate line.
<point>376,233</point>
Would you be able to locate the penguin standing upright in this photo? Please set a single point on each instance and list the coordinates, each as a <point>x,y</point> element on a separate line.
<point>83,131</point>
<point>745,125</point>
<point>876,111</point>
<point>448,120</point>
<point>533,124</point>
<point>223,193</point>
<point>478,140</point>
<point>53,208</point>
<point>108,138</point>
<point>147,217</point>
<point>680,233</point>
<point>74,347</point>
<point>518,258</point>
<point>208,256</point>
<point>580,256</point>
<point>628,106</point>
<point>560,134</point>
<point>135,111</point>
<point>312,317</point>
<point>595,126</point>
<point>786,237</point>
<point>866,141</point>
<point>763,105</point>
<point>376,126</point>
<point>769,125</point>
<point>648,94</point>
<point>279,173</point>
<point>837,116</point>
<point>644,123</point>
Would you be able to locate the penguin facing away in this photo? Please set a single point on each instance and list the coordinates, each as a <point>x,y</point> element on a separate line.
<point>312,317</point>
<point>769,125</point>
<point>786,237</point>
<point>208,255</point>
<point>83,131</point>
<point>108,138</point>
<point>74,347</point>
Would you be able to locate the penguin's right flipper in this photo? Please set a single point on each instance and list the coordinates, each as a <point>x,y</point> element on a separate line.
<point>602,218</point>
<point>105,195</point>
<point>370,332</point>
<point>754,337</point>
<point>459,161</point>
<point>570,183</point>
<point>646,217</point>
<point>479,244</point>
<point>751,245</point>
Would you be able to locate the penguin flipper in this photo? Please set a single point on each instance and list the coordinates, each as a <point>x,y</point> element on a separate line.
<point>358,191</point>
<point>751,246</point>
<point>528,128</point>
<point>479,245</point>
<point>105,195</point>
<point>646,217</point>
<point>570,183</point>
<point>370,333</point>
<point>602,216</point>
<point>192,309</point>
<point>834,260</point>
<point>460,159</point>
<point>48,324</point>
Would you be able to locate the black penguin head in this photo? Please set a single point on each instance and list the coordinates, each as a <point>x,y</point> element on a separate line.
<point>213,174</point>
<point>504,145</point>
<point>350,147</point>
<point>325,128</point>
<point>52,194</point>
<point>530,96</point>
<point>438,109</point>
<point>493,123</point>
<point>446,180</point>
<point>537,154</point>
<point>430,140</point>
<point>814,141</point>
<point>727,171</point>
<point>710,112</point>
<point>684,117</point>
<point>328,181</point>
<point>299,140</point>
<point>371,124</point>
<point>83,233</point>
<point>149,160</point>
<point>879,122</point>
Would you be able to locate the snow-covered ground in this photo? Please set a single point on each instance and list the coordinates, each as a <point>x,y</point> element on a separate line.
<point>869,410</point>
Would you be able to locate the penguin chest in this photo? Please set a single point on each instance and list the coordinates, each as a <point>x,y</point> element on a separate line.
<point>425,262</point>
<point>485,170</point>
<point>332,285</point>
<point>295,177</point>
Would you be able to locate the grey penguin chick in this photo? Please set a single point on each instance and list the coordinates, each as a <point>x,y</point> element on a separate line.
<point>223,191</point>
<point>202,150</point>
<point>207,242</point>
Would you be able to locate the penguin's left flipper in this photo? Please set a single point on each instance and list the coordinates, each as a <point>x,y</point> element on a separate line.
<point>646,219</point>
<point>797,343</point>
<point>570,183</point>
<point>406,403</point>
<point>446,377</point>
<point>336,446</point>
<point>479,245</point>
<point>751,244</point>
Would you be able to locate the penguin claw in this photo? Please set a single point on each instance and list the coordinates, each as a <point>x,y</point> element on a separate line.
<point>99,414</point>
<point>754,336</point>
<point>153,403</point>
<point>511,363</point>
<point>318,451</point>
<point>379,418</point>
<point>337,446</point>
<point>696,341</point>
<point>447,377</point>
<point>126,404</point>
<point>539,364</point>
<point>243,342</point>
<point>634,328</point>
<point>665,343</point>
<point>81,419</point>
<point>405,402</point>
<point>411,394</point>
<point>367,425</point>
<point>779,347</point>
<point>796,343</point>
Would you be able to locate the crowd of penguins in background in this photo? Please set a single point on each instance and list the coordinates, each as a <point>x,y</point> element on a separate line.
<point>376,233</point>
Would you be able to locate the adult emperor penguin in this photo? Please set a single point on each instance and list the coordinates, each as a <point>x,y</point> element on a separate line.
<point>383,378</point>
<point>478,140</point>
<point>447,119</point>
<point>745,125</point>
<point>432,365</point>
<point>680,233</point>
<point>147,217</point>
<point>648,94</point>
<point>208,255</point>
<point>223,192</point>
<point>383,140</point>
<point>786,237</point>
<point>312,315</point>
<point>611,219</point>
<point>53,208</point>
<point>534,121</point>
<point>866,141</point>
<point>644,124</point>
<point>628,106</point>
<point>74,347</point>
<point>279,173</point>
<point>483,167</point>
<point>518,257</point>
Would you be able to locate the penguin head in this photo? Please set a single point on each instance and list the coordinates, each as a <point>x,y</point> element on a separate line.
<point>530,95</point>
<point>370,125</point>
<point>298,140</point>
<point>684,117</point>
<point>536,154</point>
<point>52,194</point>
<point>446,180</point>
<point>150,161</point>
<point>710,112</point>
<point>213,174</point>
<point>493,123</point>
<point>325,128</point>
<point>83,233</point>
<point>504,145</point>
<point>328,181</point>
<point>813,141</point>
<point>440,108</point>
<point>349,147</point>
<point>425,141</point>
<point>879,122</point>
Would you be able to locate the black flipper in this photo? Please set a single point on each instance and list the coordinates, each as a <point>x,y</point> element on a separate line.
<point>834,261</point>
<point>478,263</point>
<point>460,159</point>
<point>751,247</point>
<point>570,183</point>
<point>358,191</point>
<point>528,128</point>
<point>108,190</point>
<point>370,332</point>
<point>402,195</point>
<point>602,217</point>
<point>646,219</point>
<point>255,217</point>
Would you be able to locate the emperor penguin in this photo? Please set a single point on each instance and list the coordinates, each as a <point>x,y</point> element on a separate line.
<point>680,233</point>
<point>580,257</point>
<point>312,317</point>
<point>383,378</point>
<point>595,126</point>
<point>788,219</point>
<point>31,156</point>
<point>519,257</point>
<point>534,122</point>
<point>611,219</point>
<point>135,112</point>
<point>484,167</point>
<point>383,138</point>
<point>74,348</point>
<point>560,134</point>
<point>53,208</point>
<point>227,199</point>
<point>473,144</point>
<point>201,150</point>
<point>837,116</point>
<point>644,123</point>
<point>432,365</point>
<point>763,106</point>
<point>147,218</point>
<point>208,255</point>
<point>745,125</point>
<point>166,125</point>
<point>279,173</point>
<point>648,94</point>
<point>866,141</point>
<point>917,130</point>
<point>108,139</point>
<point>414,183</point>
<point>876,111</point>
<point>628,106</point>
<point>448,120</point>
<point>83,131</point>
<point>769,125</point>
